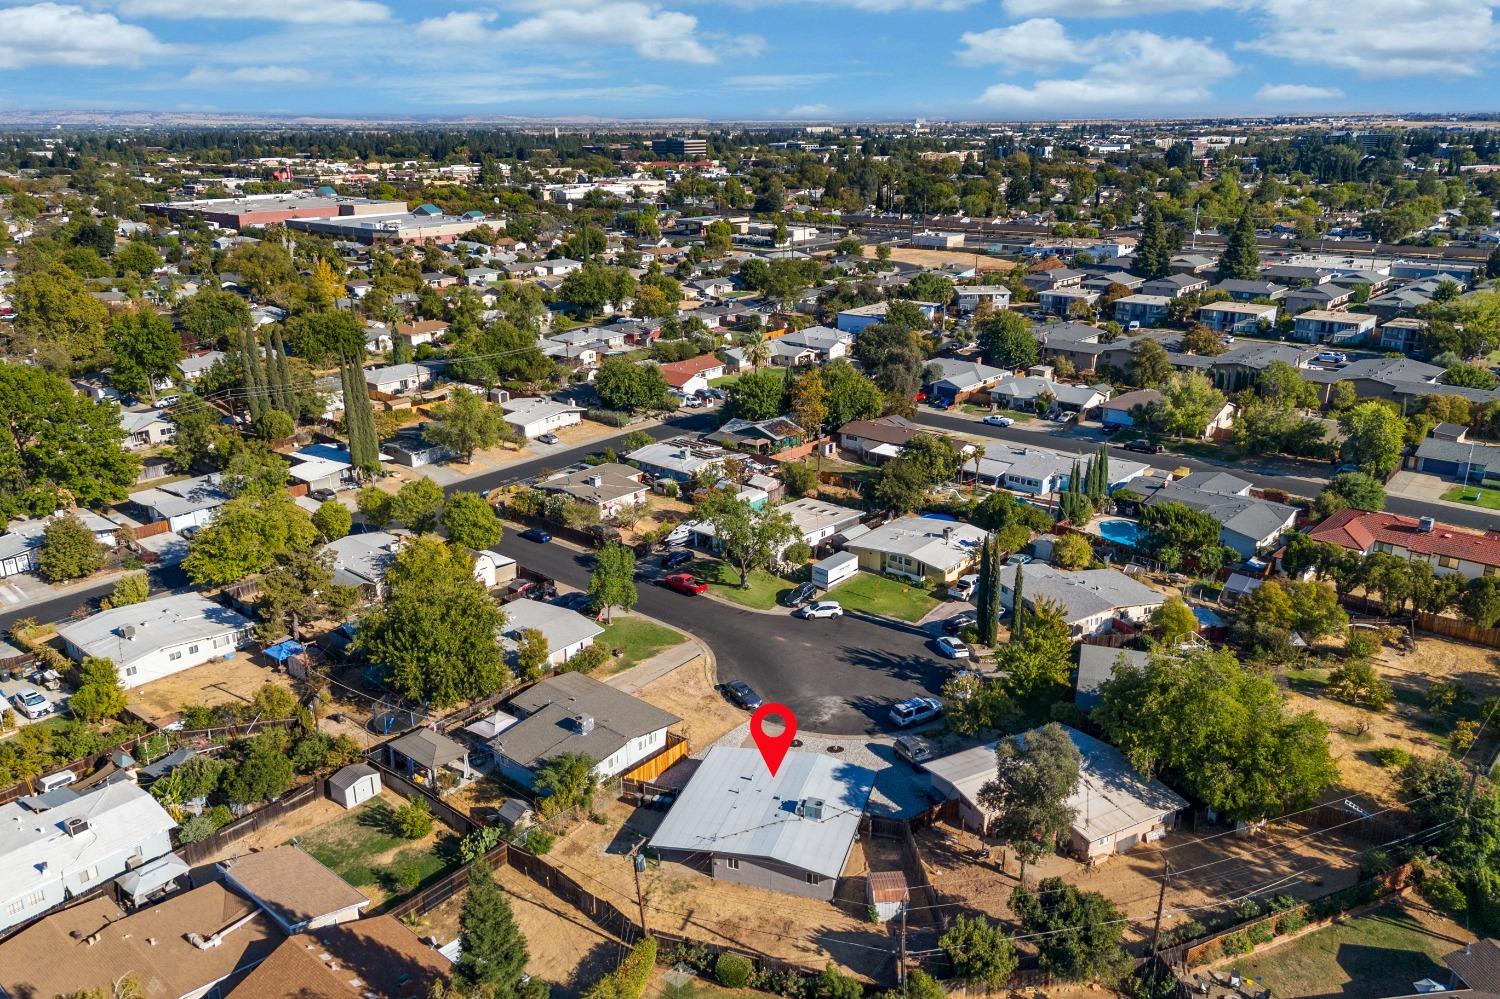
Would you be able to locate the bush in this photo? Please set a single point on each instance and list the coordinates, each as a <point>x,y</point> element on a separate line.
<point>414,819</point>
<point>1261,933</point>
<point>1442,893</point>
<point>586,660</point>
<point>1392,756</point>
<point>733,971</point>
<point>200,827</point>
<point>608,417</point>
<point>1235,943</point>
<point>539,841</point>
<point>407,872</point>
<point>1291,921</point>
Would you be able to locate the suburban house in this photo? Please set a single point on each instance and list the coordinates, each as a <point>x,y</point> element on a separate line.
<point>968,297</point>
<point>568,632</point>
<point>679,458</point>
<point>694,374</point>
<point>1066,301</point>
<point>1248,291</point>
<point>1454,456</point>
<point>1446,548</point>
<point>1405,335</point>
<point>48,856</point>
<point>608,488</point>
<point>1042,471</point>
<point>19,543</point>
<point>791,831</point>
<point>1056,277</point>
<point>1033,392</point>
<point>158,637</point>
<point>864,316</point>
<point>1114,807</point>
<point>376,956</point>
<point>1141,309</point>
<point>1321,326</point>
<point>184,504</point>
<point>147,428</point>
<point>878,439</point>
<point>1325,297</point>
<point>361,560</point>
<point>1236,317</point>
<point>762,437</point>
<point>322,466</point>
<point>1096,665</point>
<point>184,946</point>
<point>818,520</point>
<point>919,548</point>
<point>296,891</point>
<point>959,381</point>
<point>423,330</point>
<point>410,447</point>
<point>1248,525</point>
<point>399,379</point>
<point>1120,411</point>
<point>1091,599</point>
<point>574,713</point>
<point>532,417</point>
<point>195,365</point>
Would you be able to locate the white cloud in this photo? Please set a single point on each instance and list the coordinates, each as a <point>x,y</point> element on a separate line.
<point>1296,93</point>
<point>652,32</point>
<point>263,76</point>
<point>809,111</point>
<point>1381,38</point>
<point>1105,8</point>
<point>290,11</point>
<point>55,34</point>
<point>775,81</point>
<point>1125,69</point>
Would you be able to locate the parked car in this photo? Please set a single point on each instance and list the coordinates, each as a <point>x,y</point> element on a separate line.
<point>1331,357</point>
<point>686,582</point>
<point>1018,559</point>
<point>964,588</point>
<point>915,711</point>
<point>913,750</point>
<point>1110,429</point>
<point>801,595</point>
<point>536,534</point>
<point>323,495</point>
<point>741,693</point>
<point>960,623</point>
<point>575,601</point>
<point>941,402</point>
<point>823,608</point>
<point>998,421</point>
<point>549,438</point>
<point>1144,446</point>
<point>32,704</point>
<point>952,647</point>
<point>677,559</point>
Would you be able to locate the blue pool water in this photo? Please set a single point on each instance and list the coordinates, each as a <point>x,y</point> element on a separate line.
<point>1121,532</point>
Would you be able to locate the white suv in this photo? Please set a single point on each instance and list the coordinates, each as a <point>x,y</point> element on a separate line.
<point>32,704</point>
<point>915,710</point>
<point>823,608</point>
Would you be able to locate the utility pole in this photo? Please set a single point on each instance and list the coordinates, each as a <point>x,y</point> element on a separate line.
<point>1161,903</point>
<point>901,964</point>
<point>638,861</point>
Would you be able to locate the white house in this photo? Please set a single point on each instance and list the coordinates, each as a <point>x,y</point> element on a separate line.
<point>968,297</point>
<point>568,632</point>
<point>1090,599</point>
<point>919,548</point>
<point>574,713</point>
<point>818,520</point>
<point>196,365</point>
<point>186,504</point>
<point>158,637</point>
<point>50,855</point>
<point>533,417</point>
<point>396,379</point>
<point>19,543</point>
<point>609,487</point>
<point>146,428</point>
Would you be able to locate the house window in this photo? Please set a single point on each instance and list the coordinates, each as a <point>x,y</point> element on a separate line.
<point>192,650</point>
<point>812,878</point>
<point>174,656</point>
<point>11,908</point>
<point>1491,570</point>
<point>221,641</point>
<point>1383,546</point>
<point>1448,562</point>
<point>733,863</point>
<point>130,670</point>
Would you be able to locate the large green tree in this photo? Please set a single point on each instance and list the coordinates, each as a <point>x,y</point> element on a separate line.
<point>494,952</point>
<point>849,395</point>
<point>248,536</point>
<point>1007,342</point>
<point>466,423</point>
<point>68,550</point>
<point>1240,260</point>
<point>1078,933</point>
<point>438,629</point>
<point>144,349</point>
<point>1376,438</point>
<point>748,538</point>
<point>470,521</point>
<point>416,504</point>
<point>612,583</point>
<point>630,387</point>
<point>758,395</point>
<point>1035,775</point>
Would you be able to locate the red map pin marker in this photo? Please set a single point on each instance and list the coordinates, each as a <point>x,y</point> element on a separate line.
<point>773,747</point>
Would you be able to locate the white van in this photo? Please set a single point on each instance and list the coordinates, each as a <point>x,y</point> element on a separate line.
<point>51,782</point>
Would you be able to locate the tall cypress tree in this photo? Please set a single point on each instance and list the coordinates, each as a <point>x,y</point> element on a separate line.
<point>359,421</point>
<point>255,396</point>
<point>1017,610</point>
<point>1153,255</point>
<point>1104,471</point>
<point>1240,260</point>
<point>987,590</point>
<point>494,950</point>
<point>284,377</point>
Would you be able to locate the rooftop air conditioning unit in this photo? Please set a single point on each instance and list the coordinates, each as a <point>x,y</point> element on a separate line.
<point>584,723</point>
<point>76,826</point>
<point>811,808</point>
<point>1426,524</point>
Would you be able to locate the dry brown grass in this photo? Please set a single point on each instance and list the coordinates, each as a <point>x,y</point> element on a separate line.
<point>219,682</point>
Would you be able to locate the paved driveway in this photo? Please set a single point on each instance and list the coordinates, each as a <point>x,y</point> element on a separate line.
<point>839,676</point>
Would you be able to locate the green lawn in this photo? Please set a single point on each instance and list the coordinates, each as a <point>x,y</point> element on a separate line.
<point>724,381</point>
<point>637,640</point>
<point>724,581</point>
<point>1482,496</point>
<point>1374,955</point>
<point>885,596</point>
<point>363,848</point>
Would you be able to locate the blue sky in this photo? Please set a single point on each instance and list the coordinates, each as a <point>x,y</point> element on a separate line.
<point>791,59</point>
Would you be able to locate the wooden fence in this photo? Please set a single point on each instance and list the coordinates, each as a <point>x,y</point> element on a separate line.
<point>451,816</point>
<point>1437,624</point>
<point>435,895</point>
<point>652,767</point>
<point>298,797</point>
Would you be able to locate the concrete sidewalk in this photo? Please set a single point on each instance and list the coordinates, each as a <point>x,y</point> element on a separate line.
<point>642,674</point>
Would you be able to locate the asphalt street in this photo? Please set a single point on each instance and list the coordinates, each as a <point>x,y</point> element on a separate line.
<point>838,676</point>
<point>1301,478</point>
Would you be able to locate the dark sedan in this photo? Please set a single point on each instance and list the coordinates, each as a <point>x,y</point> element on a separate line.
<point>743,694</point>
<point>536,534</point>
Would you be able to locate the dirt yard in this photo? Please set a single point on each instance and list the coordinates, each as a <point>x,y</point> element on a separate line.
<point>942,258</point>
<point>1356,733</point>
<point>219,682</point>
<point>683,901</point>
<point>969,875</point>
<point>566,949</point>
<point>689,693</point>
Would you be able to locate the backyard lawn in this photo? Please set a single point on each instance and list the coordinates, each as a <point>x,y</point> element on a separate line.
<point>637,639</point>
<point>1481,496</point>
<point>885,596</point>
<point>364,849</point>
<point>1378,954</point>
<point>724,581</point>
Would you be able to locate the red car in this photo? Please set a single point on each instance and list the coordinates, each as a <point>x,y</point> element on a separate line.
<point>684,582</point>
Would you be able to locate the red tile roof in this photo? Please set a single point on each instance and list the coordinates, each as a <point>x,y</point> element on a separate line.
<point>678,373</point>
<point>1360,530</point>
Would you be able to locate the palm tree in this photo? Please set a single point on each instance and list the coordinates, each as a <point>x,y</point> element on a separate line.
<point>758,351</point>
<point>978,453</point>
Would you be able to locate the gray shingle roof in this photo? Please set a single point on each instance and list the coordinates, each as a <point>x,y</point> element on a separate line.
<point>552,705</point>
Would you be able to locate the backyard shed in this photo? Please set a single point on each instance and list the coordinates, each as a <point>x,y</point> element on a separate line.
<point>834,569</point>
<point>356,783</point>
<point>887,893</point>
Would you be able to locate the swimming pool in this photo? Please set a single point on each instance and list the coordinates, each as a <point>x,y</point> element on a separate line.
<point>1121,532</point>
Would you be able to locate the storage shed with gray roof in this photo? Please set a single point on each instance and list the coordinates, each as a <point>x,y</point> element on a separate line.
<point>789,832</point>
